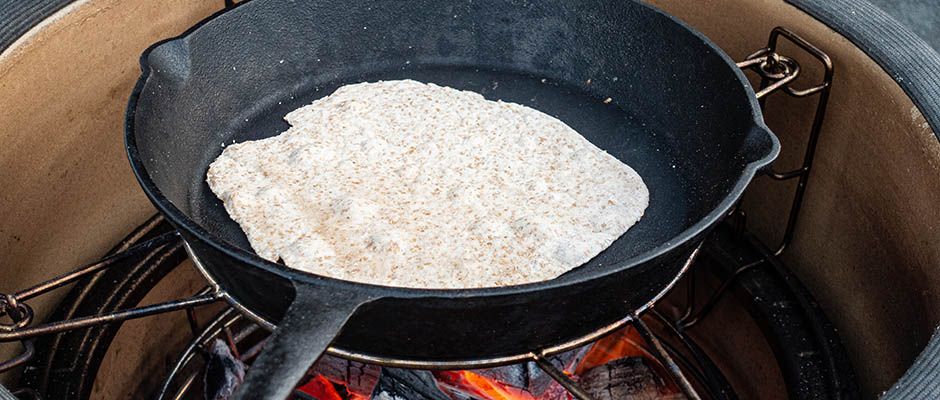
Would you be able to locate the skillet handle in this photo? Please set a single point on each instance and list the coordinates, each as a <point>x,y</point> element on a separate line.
<point>311,323</point>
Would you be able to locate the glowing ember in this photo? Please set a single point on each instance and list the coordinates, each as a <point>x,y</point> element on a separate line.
<point>470,383</point>
<point>324,389</point>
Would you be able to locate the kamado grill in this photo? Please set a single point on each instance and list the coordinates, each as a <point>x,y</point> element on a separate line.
<point>688,304</point>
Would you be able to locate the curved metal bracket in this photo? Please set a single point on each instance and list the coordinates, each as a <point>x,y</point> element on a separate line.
<point>21,315</point>
<point>777,72</point>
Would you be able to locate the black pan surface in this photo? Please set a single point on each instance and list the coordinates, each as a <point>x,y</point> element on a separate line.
<point>681,114</point>
<point>648,150</point>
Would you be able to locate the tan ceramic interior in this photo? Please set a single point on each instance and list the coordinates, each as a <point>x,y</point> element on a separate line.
<point>66,189</point>
<point>866,242</point>
<point>865,245</point>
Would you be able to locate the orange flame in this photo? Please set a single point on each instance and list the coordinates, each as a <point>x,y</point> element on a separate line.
<point>625,343</point>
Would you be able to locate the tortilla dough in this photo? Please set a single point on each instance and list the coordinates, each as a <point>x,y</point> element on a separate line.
<point>402,183</point>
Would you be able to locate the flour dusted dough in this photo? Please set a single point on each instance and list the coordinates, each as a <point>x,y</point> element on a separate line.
<point>402,183</point>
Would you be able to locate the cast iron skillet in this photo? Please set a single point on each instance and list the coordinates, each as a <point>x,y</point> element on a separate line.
<point>682,115</point>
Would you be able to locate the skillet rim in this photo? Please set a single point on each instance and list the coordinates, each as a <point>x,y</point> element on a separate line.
<point>181,221</point>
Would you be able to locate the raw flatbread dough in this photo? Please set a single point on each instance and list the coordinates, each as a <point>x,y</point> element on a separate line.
<point>402,183</point>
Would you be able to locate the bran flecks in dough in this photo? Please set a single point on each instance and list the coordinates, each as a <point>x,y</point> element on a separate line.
<point>402,183</point>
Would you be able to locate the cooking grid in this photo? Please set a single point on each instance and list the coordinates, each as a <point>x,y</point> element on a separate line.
<point>777,72</point>
<point>704,372</point>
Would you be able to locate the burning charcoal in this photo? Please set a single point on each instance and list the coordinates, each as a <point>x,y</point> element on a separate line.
<point>223,372</point>
<point>395,384</point>
<point>386,396</point>
<point>320,388</point>
<point>516,375</point>
<point>529,376</point>
<point>627,378</point>
<point>555,392</point>
<point>359,378</point>
<point>539,381</point>
<point>573,358</point>
<point>467,385</point>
